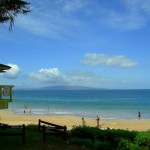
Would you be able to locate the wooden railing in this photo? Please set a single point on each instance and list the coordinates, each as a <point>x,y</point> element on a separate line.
<point>52,129</point>
<point>13,130</point>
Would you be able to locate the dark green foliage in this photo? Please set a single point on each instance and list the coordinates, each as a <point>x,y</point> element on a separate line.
<point>83,142</point>
<point>32,133</point>
<point>80,138</point>
<point>124,145</point>
<point>135,147</point>
<point>113,137</point>
<point>9,9</point>
<point>143,139</point>
<point>34,141</point>
<point>102,146</point>
<point>85,132</point>
<point>127,145</point>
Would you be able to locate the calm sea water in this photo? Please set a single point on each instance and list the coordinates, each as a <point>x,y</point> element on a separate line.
<point>108,104</point>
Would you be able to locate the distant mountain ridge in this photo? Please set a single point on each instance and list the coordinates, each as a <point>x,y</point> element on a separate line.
<point>62,87</point>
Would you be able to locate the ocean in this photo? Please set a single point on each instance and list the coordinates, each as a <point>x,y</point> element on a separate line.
<point>107,104</point>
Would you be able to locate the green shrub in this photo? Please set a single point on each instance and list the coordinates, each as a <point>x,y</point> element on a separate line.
<point>113,137</point>
<point>127,145</point>
<point>31,127</point>
<point>85,132</point>
<point>124,145</point>
<point>102,146</point>
<point>83,142</point>
<point>121,134</point>
<point>143,138</point>
<point>135,147</point>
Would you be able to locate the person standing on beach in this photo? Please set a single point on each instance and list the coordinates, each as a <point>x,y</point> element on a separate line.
<point>13,110</point>
<point>139,115</point>
<point>97,121</point>
<point>83,122</point>
<point>30,112</point>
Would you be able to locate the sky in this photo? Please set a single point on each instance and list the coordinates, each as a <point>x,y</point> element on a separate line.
<point>93,43</point>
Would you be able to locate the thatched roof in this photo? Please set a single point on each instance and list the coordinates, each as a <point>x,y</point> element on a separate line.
<point>3,68</point>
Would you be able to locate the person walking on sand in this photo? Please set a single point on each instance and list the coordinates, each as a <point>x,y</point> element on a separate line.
<point>97,121</point>
<point>139,115</point>
<point>83,122</point>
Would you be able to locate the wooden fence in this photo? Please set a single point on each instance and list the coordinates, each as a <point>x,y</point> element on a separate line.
<point>52,129</point>
<point>13,130</point>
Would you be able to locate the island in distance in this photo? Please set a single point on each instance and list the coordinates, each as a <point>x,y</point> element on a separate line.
<point>62,87</point>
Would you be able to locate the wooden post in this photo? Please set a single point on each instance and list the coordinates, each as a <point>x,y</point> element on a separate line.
<point>23,134</point>
<point>44,134</point>
<point>97,121</point>
<point>39,125</point>
<point>0,92</point>
<point>10,94</point>
<point>65,133</point>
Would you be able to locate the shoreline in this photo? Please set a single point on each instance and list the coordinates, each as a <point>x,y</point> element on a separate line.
<point>45,112</point>
<point>70,121</point>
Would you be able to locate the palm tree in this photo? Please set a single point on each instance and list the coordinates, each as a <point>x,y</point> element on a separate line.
<point>9,9</point>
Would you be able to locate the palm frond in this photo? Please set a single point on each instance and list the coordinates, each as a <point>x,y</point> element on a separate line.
<point>9,9</point>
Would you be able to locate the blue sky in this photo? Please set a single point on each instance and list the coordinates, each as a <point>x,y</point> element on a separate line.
<point>92,43</point>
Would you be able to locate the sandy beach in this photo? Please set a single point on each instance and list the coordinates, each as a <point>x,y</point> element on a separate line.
<point>70,121</point>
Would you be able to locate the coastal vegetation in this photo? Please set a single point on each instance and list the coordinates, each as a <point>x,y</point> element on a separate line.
<point>81,138</point>
<point>111,139</point>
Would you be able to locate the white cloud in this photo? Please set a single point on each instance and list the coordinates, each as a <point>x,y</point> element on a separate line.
<point>34,25</point>
<point>126,21</point>
<point>83,77</point>
<point>51,18</point>
<point>74,5</point>
<point>138,6</point>
<point>134,14</point>
<point>88,79</point>
<point>13,72</point>
<point>102,59</point>
<point>50,75</point>
<point>53,76</point>
<point>59,17</point>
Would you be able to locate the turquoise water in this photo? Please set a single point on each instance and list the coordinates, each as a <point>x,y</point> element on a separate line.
<point>108,104</point>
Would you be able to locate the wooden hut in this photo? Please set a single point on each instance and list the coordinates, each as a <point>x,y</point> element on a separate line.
<point>5,90</point>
